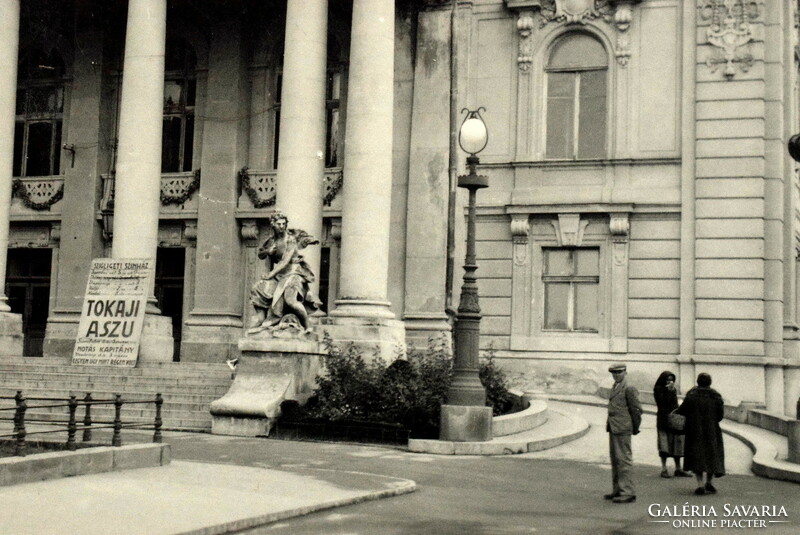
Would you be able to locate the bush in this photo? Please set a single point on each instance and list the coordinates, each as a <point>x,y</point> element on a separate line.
<point>409,392</point>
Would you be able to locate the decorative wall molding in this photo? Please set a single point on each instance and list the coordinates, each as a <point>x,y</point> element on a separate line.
<point>569,229</point>
<point>520,230</point>
<point>34,236</point>
<point>190,232</point>
<point>619,226</point>
<point>617,13</point>
<point>729,32</point>
<point>249,232</point>
<point>525,28</point>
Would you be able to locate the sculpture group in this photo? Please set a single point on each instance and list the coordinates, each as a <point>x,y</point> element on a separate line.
<point>283,297</point>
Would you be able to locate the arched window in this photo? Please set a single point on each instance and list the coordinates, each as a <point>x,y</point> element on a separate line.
<point>577,74</point>
<point>39,114</point>
<point>180,91</point>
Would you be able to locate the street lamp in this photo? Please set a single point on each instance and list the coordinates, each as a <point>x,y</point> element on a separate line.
<point>465,416</point>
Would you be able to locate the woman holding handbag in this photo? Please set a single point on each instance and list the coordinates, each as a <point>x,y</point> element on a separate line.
<point>670,439</point>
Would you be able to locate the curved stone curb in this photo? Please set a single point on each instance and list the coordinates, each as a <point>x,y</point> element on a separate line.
<point>93,460</point>
<point>765,458</point>
<point>517,422</point>
<point>524,442</point>
<point>394,487</point>
<point>765,455</point>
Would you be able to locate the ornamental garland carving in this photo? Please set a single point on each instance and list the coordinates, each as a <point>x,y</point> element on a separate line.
<point>730,32</point>
<point>178,190</point>
<point>38,194</point>
<point>260,189</point>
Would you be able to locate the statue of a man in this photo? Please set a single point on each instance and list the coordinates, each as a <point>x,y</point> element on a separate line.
<point>286,288</point>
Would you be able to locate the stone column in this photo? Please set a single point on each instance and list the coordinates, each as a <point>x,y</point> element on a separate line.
<point>366,207</point>
<point>428,182</point>
<point>214,325</point>
<point>138,177</point>
<point>301,152</point>
<point>10,324</point>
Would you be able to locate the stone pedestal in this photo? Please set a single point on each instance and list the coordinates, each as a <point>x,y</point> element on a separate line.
<point>465,423</point>
<point>11,338</point>
<point>383,336</point>
<point>156,344</point>
<point>269,371</point>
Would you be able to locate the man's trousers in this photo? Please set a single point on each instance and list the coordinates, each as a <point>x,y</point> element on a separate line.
<point>621,464</point>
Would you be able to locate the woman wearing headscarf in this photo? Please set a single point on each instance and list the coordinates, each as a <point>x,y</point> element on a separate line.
<point>704,409</point>
<point>670,441</point>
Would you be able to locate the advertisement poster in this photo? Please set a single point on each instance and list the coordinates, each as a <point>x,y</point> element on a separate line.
<point>113,309</point>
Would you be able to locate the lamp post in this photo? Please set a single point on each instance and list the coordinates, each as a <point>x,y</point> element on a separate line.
<point>465,416</point>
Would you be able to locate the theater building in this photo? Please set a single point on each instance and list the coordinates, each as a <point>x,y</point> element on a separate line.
<point>642,204</point>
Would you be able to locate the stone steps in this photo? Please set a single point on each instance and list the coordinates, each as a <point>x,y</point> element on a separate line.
<point>187,389</point>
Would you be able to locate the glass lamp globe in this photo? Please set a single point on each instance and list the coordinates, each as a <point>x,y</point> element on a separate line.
<point>473,136</point>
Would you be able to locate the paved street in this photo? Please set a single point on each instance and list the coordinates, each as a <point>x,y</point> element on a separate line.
<point>555,491</point>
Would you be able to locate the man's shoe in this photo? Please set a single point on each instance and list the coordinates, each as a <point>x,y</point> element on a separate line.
<point>665,474</point>
<point>709,488</point>
<point>611,496</point>
<point>682,473</point>
<point>624,499</point>
<point>699,491</point>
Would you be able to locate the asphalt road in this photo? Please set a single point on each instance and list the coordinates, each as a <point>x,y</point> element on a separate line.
<point>556,491</point>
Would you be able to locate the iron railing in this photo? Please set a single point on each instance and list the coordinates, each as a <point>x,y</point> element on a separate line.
<point>72,404</point>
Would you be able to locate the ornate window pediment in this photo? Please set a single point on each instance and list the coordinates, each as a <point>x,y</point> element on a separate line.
<point>617,13</point>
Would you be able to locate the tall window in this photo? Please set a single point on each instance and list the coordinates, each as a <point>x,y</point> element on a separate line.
<point>39,114</point>
<point>180,90</point>
<point>571,278</point>
<point>334,131</point>
<point>576,99</point>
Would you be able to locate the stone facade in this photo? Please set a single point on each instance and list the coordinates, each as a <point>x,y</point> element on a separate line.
<point>688,205</point>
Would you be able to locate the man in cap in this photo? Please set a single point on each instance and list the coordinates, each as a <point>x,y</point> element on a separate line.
<point>624,419</point>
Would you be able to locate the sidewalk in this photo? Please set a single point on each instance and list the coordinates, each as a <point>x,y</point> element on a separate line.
<point>183,497</point>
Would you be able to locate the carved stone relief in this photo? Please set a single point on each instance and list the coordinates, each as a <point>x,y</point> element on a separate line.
<point>619,227</point>
<point>730,33</point>
<point>618,13</point>
<point>569,229</point>
<point>519,238</point>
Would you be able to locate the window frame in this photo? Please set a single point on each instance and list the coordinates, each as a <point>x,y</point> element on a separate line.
<point>535,233</point>
<point>577,72</point>
<point>572,280</point>
<point>56,119</point>
<point>185,76</point>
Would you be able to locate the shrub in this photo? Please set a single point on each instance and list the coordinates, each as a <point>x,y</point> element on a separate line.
<point>409,392</point>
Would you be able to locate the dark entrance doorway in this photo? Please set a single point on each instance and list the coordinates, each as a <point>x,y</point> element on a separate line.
<point>169,290</point>
<point>28,292</point>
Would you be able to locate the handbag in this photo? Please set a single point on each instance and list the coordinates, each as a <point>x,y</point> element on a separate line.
<point>676,421</point>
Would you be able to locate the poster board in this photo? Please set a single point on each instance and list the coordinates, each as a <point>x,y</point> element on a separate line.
<point>112,315</point>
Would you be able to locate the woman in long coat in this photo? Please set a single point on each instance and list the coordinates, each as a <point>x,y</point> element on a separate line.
<point>704,452</point>
<point>670,441</point>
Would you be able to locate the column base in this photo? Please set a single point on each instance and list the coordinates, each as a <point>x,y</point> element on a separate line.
<point>773,388</point>
<point>11,336</point>
<point>59,338</point>
<point>211,339</point>
<point>422,328</point>
<point>156,344</point>
<point>383,337</point>
<point>465,423</point>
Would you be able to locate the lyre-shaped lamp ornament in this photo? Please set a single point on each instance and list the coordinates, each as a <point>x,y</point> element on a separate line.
<point>473,136</point>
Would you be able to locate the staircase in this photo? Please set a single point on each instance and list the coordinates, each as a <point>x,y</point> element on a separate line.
<point>187,388</point>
